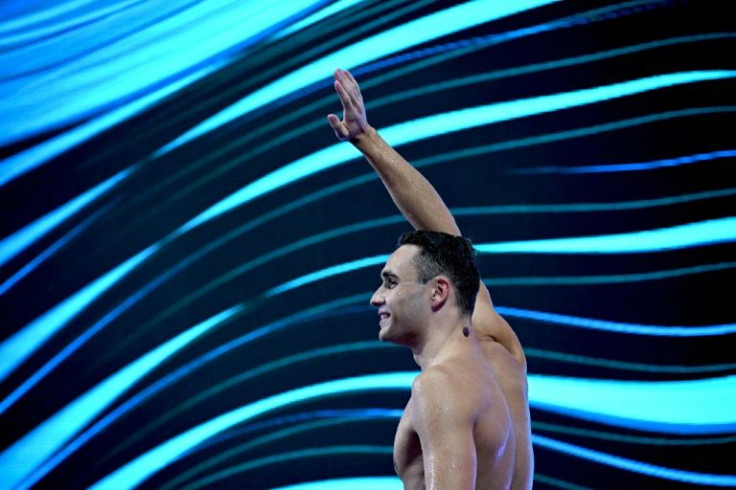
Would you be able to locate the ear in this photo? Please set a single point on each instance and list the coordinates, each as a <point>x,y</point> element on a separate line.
<point>440,292</point>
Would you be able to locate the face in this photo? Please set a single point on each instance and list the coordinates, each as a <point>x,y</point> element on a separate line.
<point>402,301</point>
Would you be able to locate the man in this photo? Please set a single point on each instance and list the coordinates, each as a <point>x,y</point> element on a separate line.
<point>466,424</point>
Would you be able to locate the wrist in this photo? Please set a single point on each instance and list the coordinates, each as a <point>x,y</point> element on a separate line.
<point>367,137</point>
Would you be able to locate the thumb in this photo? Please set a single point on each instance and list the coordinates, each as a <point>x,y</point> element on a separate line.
<point>340,130</point>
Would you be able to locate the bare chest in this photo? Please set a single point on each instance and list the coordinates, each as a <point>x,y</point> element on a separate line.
<point>408,461</point>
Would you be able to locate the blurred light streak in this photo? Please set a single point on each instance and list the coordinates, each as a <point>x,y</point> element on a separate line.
<point>218,476</point>
<point>444,123</point>
<point>689,235</point>
<point>414,32</point>
<point>619,327</point>
<point>142,467</point>
<point>25,455</point>
<point>358,483</point>
<point>324,418</point>
<point>626,366</point>
<point>631,167</point>
<point>607,279</point>
<point>183,42</point>
<point>635,466</point>
<point>191,366</point>
<point>23,343</point>
<point>325,12</point>
<point>51,250</point>
<point>605,401</point>
<point>14,244</point>
<point>27,160</point>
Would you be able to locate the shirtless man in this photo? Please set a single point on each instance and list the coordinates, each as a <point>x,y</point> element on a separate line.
<point>466,424</point>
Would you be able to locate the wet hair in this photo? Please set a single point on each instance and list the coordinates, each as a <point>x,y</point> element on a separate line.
<point>453,256</point>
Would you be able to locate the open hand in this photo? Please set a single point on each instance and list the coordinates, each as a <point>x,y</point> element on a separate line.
<point>354,122</point>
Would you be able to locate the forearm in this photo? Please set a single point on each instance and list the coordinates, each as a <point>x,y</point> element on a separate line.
<point>412,193</point>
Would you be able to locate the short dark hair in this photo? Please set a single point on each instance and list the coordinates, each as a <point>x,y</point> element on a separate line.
<point>453,256</point>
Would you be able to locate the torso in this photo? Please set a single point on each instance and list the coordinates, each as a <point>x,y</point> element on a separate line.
<point>497,381</point>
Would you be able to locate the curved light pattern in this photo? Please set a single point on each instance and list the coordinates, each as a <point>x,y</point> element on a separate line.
<point>322,14</point>
<point>450,122</point>
<point>365,483</point>
<point>683,236</point>
<point>410,34</point>
<point>58,244</point>
<point>186,40</point>
<point>636,466</point>
<point>316,420</point>
<point>20,240</point>
<point>607,279</point>
<point>152,461</point>
<point>211,479</point>
<point>638,404</point>
<point>24,342</point>
<point>602,400</point>
<point>619,327</point>
<point>632,167</point>
<point>20,459</point>
<point>25,161</point>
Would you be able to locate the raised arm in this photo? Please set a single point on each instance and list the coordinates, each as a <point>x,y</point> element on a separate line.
<point>412,193</point>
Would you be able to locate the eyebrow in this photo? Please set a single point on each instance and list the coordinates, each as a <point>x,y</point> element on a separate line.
<point>388,273</point>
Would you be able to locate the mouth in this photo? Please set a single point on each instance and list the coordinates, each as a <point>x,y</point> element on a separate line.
<point>384,315</point>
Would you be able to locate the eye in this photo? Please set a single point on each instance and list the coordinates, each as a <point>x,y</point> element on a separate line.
<point>389,284</point>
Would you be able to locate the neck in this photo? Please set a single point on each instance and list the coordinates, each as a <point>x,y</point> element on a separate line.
<point>440,339</point>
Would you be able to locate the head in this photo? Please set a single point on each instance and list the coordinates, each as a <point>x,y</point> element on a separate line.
<point>428,272</point>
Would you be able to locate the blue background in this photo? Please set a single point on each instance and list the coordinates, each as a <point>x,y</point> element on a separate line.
<point>188,253</point>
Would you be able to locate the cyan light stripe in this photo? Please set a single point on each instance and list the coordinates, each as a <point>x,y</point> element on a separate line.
<point>325,12</point>
<point>703,406</point>
<point>328,272</point>
<point>430,126</point>
<point>357,483</point>
<point>141,468</point>
<point>619,327</point>
<point>676,237</point>
<point>606,401</point>
<point>19,460</point>
<point>20,240</point>
<point>27,160</point>
<point>23,343</point>
<point>631,167</point>
<point>138,63</point>
<point>635,466</point>
<point>409,34</point>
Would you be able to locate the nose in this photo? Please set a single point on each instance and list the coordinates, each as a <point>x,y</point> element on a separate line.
<point>377,299</point>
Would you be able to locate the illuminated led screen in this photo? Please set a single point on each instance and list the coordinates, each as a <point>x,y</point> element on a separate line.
<point>187,252</point>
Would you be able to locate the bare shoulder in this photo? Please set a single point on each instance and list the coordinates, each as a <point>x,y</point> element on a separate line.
<point>446,389</point>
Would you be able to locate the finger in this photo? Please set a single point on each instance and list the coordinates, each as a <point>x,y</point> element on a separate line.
<point>337,126</point>
<point>354,82</point>
<point>345,98</point>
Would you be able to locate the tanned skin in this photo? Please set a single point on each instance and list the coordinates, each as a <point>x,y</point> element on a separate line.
<point>467,422</point>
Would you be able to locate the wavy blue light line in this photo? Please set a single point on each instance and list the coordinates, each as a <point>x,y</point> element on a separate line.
<point>329,10</point>
<point>183,371</point>
<point>357,483</point>
<point>14,244</point>
<point>27,160</point>
<point>630,167</point>
<point>139,63</point>
<point>24,456</point>
<point>23,343</point>
<point>409,34</point>
<point>6,285</point>
<point>635,466</point>
<point>141,468</point>
<point>606,401</point>
<point>689,235</point>
<point>449,122</point>
<point>619,327</point>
